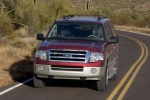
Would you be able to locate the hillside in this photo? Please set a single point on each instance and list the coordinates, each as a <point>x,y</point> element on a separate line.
<point>137,6</point>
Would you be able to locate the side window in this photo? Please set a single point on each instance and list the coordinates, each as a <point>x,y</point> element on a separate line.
<point>100,33</point>
<point>112,28</point>
<point>108,31</point>
<point>53,31</point>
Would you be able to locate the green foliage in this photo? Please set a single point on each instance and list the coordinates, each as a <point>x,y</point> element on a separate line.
<point>122,18</point>
<point>37,15</point>
<point>60,8</point>
<point>6,28</point>
<point>147,20</point>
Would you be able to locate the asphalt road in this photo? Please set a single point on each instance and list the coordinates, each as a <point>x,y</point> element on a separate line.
<point>132,81</point>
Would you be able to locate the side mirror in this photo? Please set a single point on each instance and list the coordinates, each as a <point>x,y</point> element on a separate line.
<point>113,40</point>
<point>40,37</point>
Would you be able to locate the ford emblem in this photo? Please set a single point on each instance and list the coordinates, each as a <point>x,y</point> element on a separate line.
<point>67,55</point>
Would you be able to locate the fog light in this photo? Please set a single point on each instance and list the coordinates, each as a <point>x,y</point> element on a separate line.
<point>93,70</point>
<point>40,68</point>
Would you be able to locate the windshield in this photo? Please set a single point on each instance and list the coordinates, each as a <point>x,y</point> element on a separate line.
<point>80,31</point>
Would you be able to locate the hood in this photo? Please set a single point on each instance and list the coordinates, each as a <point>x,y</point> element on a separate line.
<point>71,44</point>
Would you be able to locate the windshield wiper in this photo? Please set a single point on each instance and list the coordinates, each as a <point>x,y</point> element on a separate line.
<point>88,39</point>
<point>91,39</point>
<point>73,38</point>
<point>56,38</point>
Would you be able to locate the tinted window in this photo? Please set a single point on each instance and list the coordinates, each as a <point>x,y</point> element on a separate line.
<point>108,31</point>
<point>112,28</point>
<point>77,31</point>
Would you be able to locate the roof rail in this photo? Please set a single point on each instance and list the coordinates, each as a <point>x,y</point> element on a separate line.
<point>68,16</point>
<point>101,17</point>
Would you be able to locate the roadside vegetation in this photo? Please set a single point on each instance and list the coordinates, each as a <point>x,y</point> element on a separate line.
<point>21,20</point>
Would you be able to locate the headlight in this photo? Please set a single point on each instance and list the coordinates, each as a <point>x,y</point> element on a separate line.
<point>42,54</point>
<point>96,56</point>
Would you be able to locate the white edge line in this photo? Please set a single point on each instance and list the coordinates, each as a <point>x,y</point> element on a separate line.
<point>13,87</point>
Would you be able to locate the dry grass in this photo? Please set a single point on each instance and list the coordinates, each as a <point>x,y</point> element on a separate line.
<point>134,29</point>
<point>5,62</point>
<point>16,59</point>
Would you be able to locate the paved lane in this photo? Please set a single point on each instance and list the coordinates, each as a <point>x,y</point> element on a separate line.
<point>129,52</point>
<point>140,88</point>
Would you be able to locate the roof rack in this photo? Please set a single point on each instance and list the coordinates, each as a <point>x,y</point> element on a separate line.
<point>101,17</point>
<point>68,16</point>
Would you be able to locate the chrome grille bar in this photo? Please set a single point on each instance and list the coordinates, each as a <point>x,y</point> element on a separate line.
<point>68,55</point>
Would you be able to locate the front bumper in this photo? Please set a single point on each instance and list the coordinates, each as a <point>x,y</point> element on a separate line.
<point>48,71</point>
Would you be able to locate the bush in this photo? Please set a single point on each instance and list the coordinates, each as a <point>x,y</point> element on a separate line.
<point>36,15</point>
<point>19,44</point>
<point>147,20</point>
<point>122,18</point>
<point>6,28</point>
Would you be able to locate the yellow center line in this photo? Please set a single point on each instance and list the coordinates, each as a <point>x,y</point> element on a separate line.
<point>115,91</point>
<point>134,75</point>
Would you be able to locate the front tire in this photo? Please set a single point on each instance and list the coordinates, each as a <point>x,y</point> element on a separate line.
<point>101,85</point>
<point>38,82</point>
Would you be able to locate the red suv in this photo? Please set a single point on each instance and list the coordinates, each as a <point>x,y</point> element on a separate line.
<point>80,48</point>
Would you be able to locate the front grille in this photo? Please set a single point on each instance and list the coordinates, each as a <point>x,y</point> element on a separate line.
<point>68,55</point>
<point>65,68</point>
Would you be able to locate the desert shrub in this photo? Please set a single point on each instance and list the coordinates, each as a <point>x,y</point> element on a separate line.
<point>10,52</point>
<point>147,20</point>
<point>36,15</point>
<point>19,44</point>
<point>60,8</point>
<point>6,28</point>
<point>122,18</point>
<point>32,16</point>
<point>140,23</point>
<point>140,20</point>
<point>21,32</point>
